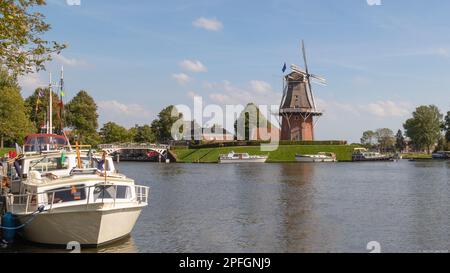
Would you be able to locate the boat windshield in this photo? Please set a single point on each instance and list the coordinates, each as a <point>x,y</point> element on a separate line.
<point>46,164</point>
<point>43,142</point>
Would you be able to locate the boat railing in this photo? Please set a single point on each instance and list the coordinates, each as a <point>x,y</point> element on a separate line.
<point>35,149</point>
<point>30,202</point>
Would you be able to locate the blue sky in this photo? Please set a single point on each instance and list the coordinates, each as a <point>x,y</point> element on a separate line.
<point>136,57</point>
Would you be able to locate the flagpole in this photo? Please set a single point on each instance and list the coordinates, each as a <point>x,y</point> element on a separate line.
<point>50,127</point>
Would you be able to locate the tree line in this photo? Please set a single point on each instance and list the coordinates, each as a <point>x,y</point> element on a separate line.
<point>426,130</point>
<point>78,118</point>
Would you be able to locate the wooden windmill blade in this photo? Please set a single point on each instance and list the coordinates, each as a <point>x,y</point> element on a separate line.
<point>307,78</point>
<point>285,90</point>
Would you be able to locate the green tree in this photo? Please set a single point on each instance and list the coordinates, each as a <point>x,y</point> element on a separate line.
<point>144,134</point>
<point>424,128</point>
<point>368,139</point>
<point>22,48</point>
<point>252,118</point>
<point>114,133</point>
<point>447,128</point>
<point>14,122</point>
<point>385,138</point>
<point>162,127</point>
<point>400,143</point>
<point>132,132</point>
<point>82,117</point>
<point>37,107</point>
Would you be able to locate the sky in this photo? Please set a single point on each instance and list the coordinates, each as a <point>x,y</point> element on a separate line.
<point>136,57</point>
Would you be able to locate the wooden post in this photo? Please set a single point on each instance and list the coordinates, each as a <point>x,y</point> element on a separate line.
<point>78,155</point>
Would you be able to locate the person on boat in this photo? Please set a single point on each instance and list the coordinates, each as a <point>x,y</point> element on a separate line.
<point>101,163</point>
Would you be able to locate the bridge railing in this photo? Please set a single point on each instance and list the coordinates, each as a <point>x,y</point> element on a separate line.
<point>134,146</point>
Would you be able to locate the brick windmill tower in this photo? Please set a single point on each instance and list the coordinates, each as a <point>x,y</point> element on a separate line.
<point>298,107</point>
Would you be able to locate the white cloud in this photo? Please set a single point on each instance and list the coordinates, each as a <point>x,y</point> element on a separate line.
<point>386,109</point>
<point>443,52</point>
<point>260,86</point>
<point>211,24</point>
<point>193,66</point>
<point>69,61</point>
<point>124,114</point>
<point>31,82</point>
<point>347,121</point>
<point>181,78</point>
<point>192,94</point>
<point>258,92</point>
<point>379,109</point>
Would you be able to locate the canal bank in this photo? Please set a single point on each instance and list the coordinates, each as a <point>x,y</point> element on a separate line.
<point>284,153</point>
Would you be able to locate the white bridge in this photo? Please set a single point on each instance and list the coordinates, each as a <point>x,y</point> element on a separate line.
<point>113,148</point>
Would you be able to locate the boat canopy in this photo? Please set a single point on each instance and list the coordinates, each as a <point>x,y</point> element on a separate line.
<point>44,142</point>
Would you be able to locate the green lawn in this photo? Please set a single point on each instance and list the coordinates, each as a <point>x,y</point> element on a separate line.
<point>283,154</point>
<point>416,156</point>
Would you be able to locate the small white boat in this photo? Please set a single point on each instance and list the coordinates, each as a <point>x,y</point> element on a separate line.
<point>62,196</point>
<point>362,154</point>
<point>321,157</point>
<point>241,158</point>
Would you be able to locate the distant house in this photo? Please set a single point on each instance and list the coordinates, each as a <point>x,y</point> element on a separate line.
<point>215,133</point>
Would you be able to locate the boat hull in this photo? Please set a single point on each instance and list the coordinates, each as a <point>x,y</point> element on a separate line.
<point>88,228</point>
<point>314,160</point>
<point>235,161</point>
<point>359,159</point>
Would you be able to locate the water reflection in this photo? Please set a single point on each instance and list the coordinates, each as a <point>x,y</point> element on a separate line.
<point>289,208</point>
<point>125,245</point>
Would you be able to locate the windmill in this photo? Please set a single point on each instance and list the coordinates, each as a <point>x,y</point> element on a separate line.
<point>298,106</point>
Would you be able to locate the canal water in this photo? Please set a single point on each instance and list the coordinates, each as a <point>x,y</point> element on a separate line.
<point>404,206</point>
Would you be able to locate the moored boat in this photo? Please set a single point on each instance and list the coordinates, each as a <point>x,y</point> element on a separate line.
<point>441,155</point>
<point>241,158</point>
<point>61,196</point>
<point>362,154</point>
<point>320,157</point>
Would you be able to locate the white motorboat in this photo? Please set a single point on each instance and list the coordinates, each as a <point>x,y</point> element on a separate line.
<point>64,196</point>
<point>362,154</point>
<point>241,158</point>
<point>320,157</point>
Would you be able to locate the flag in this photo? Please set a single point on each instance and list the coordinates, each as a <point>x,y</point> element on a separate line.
<point>284,68</point>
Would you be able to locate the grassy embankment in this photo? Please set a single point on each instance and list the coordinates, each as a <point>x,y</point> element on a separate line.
<point>282,154</point>
<point>416,156</point>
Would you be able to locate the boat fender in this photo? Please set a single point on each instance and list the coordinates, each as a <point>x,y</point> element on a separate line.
<point>9,223</point>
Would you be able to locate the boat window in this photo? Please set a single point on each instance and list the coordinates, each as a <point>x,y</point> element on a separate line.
<point>67,194</point>
<point>109,192</point>
<point>45,165</point>
<point>96,163</point>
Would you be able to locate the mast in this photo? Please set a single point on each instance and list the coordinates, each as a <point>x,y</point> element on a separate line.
<point>61,103</point>
<point>50,127</point>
